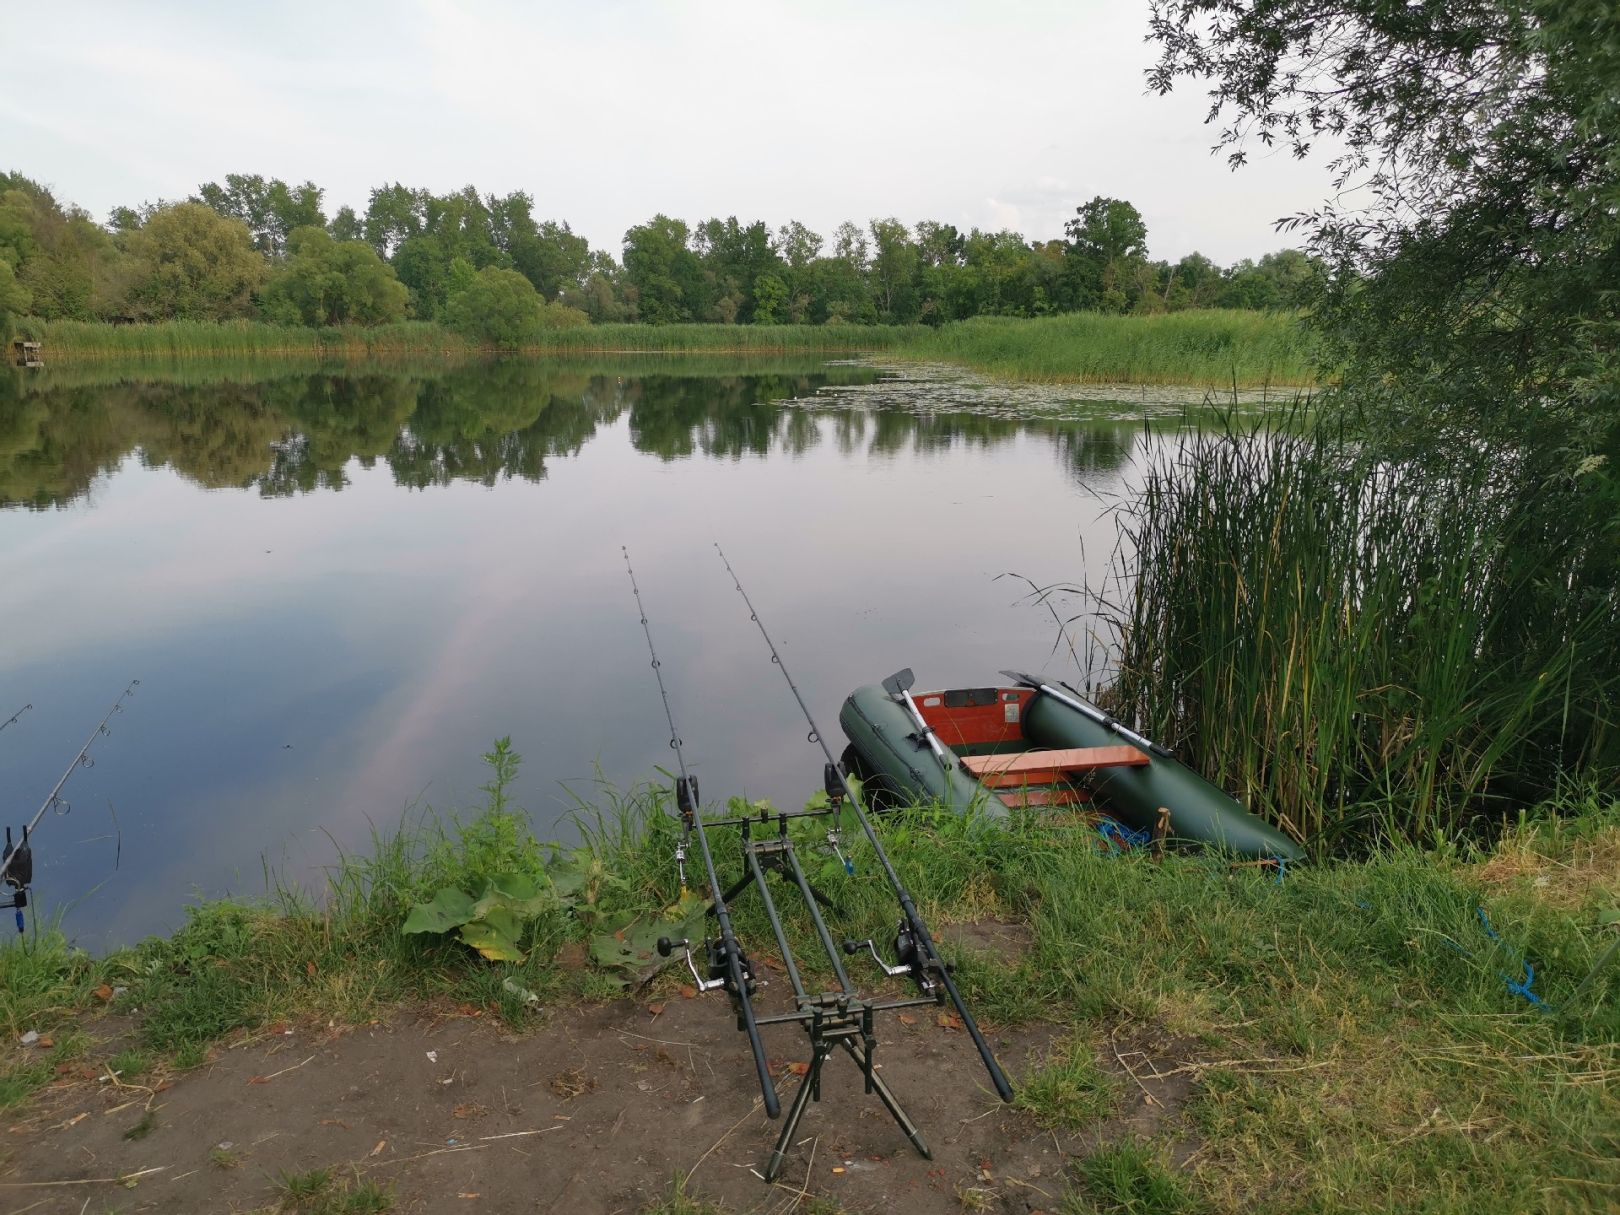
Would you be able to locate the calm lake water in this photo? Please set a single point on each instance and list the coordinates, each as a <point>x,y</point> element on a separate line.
<point>337,588</point>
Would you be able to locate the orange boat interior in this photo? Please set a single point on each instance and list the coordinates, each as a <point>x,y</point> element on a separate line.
<point>985,728</point>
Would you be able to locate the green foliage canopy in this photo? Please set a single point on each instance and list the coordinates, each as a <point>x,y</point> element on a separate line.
<point>272,210</point>
<point>331,282</point>
<point>13,301</point>
<point>1473,287</point>
<point>497,306</point>
<point>190,262</point>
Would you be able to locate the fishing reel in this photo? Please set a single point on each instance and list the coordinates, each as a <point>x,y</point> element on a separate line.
<point>905,949</point>
<point>717,964</point>
<point>19,867</point>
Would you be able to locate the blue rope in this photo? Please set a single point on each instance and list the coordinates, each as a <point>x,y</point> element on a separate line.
<point>1519,987</point>
<point>1119,837</point>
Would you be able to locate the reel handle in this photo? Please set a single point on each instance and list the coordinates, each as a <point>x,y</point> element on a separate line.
<point>853,947</point>
<point>666,947</point>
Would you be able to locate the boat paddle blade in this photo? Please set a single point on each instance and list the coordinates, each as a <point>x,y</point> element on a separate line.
<point>899,683</point>
<point>1018,677</point>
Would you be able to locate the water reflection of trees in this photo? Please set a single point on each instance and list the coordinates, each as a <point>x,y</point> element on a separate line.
<point>302,433</point>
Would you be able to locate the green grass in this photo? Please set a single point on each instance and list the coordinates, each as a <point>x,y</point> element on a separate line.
<point>1070,1090</point>
<point>70,341</point>
<point>303,1186</point>
<point>1215,348</point>
<point>67,341</point>
<point>1279,1000</point>
<point>129,1065</point>
<point>1128,1178</point>
<point>1360,648</point>
<point>321,1192</point>
<point>44,982</point>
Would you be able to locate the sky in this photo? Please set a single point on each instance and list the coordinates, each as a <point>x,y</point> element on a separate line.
<point>992,115</point>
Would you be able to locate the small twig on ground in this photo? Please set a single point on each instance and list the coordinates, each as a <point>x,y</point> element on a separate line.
<point>123,1180</point>
<point>758,1101</point>
<point>472,1147</point>
<point>284,1070</point>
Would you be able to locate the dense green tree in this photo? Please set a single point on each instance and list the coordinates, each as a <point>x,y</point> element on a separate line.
<point>188,261</point>
<point>330,282</point>
<point>497,306</point>
<point>1194,282</point>
<point>554,259</point>
<point>601,297</point>
<point>661,272</point>
<point>770,299</point>
<point>894,271</point>
<point>271,209</point>
<point>1107,245</point>
<point>1473,286</point>
<point>393,215</point>
<point>1278,280</point>
<point>733,257</point>
<point>451,228</point>
<point>63,258</point>
<point>346,225</point>
<point>14,300</point>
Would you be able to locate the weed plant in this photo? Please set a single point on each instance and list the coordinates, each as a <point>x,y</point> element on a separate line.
<point>240,339</point>
<point>73,340</point>
<point>1359,647</point>
<point>1209,348</point>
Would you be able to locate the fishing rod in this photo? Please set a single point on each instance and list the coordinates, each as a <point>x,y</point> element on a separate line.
<point>918,956</point>
<point>728,967</point>
<point>17,862</point>
<point>12,720</point>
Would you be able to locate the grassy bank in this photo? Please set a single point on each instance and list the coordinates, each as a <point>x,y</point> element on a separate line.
<point>1211,348</point>
<point>1206,349</point>
<point>1283,996</point>
<point>72,341</point>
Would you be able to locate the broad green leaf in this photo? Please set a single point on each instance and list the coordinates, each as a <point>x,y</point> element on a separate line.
<point>495,936</point>
<point>632,949</point>
<point>449,908</point>
<point>567,878</point>
<point>517,893</point>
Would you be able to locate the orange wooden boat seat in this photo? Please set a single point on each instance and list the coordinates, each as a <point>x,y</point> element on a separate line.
<point>1049,767</point>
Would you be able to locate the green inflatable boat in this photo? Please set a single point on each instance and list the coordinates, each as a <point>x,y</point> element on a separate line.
<point>1038,745</point>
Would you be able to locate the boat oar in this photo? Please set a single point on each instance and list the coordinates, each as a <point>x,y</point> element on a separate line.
<point>898,686</point>
<point>1085,707</point>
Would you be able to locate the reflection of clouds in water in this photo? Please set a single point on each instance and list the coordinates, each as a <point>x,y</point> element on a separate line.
<point>937,388</point>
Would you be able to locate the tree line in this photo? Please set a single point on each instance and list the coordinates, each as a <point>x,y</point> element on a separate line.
<point>251,247</point>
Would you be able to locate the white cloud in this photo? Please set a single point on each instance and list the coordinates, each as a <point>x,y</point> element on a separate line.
<point>981,114</point>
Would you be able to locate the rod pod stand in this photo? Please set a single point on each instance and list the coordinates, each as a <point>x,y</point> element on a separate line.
<point>832,1020</point>
<point>929,970</point>
<point>841,1019</point>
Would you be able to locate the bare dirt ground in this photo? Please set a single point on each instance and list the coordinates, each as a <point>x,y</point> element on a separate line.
<point>598,1110</point>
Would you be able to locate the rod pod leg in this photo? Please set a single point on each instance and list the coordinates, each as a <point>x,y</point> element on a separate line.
<point>809,1087</point>
<point>886,1096</point>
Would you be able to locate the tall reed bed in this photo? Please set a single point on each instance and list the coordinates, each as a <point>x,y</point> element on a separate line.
<point>766,339</point>
<point>1217,347</point>
<point>240,339</point>
<point>192,339</point>
<point>1355,645</point>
